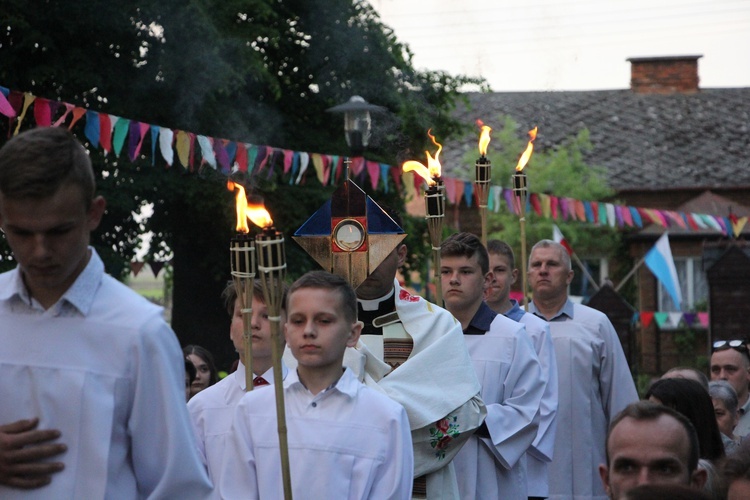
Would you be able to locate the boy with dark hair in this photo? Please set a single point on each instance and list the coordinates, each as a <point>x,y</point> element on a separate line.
<point>491,465</point>
<point>212,409</point>
<point>345,439</point>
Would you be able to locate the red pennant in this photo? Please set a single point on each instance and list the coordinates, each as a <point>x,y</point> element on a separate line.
<point>396,175</point>
<point>42,114</point>
<point>554,203</point>
<point>241,157</point>
<point>646,318</point>
<point>105,132</point>
<point>535,204</point>
<point>373,168</point>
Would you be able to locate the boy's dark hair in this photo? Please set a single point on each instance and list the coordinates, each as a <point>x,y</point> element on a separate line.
<point>466,245</point>
<point>37,162</point>
<point>229,295</point>
<point>328,281</point>
<point>498,247</point>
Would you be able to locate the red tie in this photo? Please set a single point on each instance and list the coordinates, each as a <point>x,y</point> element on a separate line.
<point>258,381</point>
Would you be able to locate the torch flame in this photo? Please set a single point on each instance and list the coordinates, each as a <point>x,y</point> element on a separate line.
<point>256,212</point>
<point>259,216</point>
<point>432,171</point>
<point>484,138</point>
<point>526,156</point>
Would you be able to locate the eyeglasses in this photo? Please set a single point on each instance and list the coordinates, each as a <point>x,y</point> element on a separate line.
<point>737,345</point>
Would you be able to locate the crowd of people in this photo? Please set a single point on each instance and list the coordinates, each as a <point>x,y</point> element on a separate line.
<point>386,395</point>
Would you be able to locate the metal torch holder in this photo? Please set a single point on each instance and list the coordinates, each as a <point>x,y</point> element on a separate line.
<point>272,273</point>
<point>435,215</point>
<point>520,190</point>
<point>483,170</point>
<point>242,260</point>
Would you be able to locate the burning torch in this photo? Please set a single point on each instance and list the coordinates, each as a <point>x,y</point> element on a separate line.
<point>242,259</point>
<point>520,189</point>
<point>269,245</point>
<point>434,206</point>
<point>483,170</point>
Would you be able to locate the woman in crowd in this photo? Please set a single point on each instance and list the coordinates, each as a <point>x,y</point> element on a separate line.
<point>205,369</point>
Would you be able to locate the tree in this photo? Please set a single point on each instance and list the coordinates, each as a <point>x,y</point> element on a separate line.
<point>258,71</point>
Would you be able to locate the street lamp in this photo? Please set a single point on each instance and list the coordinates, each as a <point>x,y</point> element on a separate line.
<point>357,122</point>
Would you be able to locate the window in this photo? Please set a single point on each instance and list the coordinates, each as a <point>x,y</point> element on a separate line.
<point>693,285</point>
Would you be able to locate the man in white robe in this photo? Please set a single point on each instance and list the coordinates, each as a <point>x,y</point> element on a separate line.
<point>82,354</point>
<point>490,464</point>
<point>212,409</point>
<point>497,297</point>
<point>414,351</point>
<point>594,379</point>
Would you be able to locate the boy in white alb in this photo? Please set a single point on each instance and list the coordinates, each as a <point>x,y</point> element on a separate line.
<point>491,464</point>
<point>212,409</point>
<point>345,439</point>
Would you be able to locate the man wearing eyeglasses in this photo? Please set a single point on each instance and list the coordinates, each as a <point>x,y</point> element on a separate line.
<point>730,361</point>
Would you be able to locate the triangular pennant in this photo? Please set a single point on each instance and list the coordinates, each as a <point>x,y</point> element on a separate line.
<point>156,266</point>
<point>661,318</point>
<point>703,319</point>
<point>182,144</point>
<point>546,205</point>
<point>612,215</point>
<point>121,132</point>
<point>646,318</point>
<point>468,192</point>
<point>288,157</point>
<point>42,112</point>
<point>5,107</point>
<point>373,170</point>
<point>27,100</point>
<point>674,318</point>
<point>554,206</point>
<point>635,318</point>
<point>77,115</point>
<point>384,175</point>
<point>92,128</point>
<point>166,136</point>
<point>221,155</point>
<point>738,225</point>
<point>207,150</point>
<point>240,159</point>
<point>535,203</point>
<point>689,318</point>
<point>135,267</point>
<point>155,129</point>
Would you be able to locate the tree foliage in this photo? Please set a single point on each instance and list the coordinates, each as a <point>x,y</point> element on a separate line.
<point>257,71</point>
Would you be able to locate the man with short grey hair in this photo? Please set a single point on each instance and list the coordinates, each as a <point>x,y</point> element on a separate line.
<point>594,379</point>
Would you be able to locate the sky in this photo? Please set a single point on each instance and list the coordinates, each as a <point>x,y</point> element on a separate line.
<point>542,45</point>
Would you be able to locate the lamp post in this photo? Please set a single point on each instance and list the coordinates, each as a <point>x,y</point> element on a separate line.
<point>357,124</point>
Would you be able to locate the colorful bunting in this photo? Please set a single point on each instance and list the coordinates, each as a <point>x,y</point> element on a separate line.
<point>109,132</point>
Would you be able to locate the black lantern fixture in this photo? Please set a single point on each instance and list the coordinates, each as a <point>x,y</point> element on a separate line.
<point>357,122</point>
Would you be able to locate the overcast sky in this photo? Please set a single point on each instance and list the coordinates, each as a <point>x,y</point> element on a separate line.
<point>571,44</point>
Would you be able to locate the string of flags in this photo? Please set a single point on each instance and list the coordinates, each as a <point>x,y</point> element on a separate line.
<point>116,134</point>
<point>672,320</point>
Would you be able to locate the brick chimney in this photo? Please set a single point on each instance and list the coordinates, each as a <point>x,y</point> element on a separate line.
<point>664,75</point>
